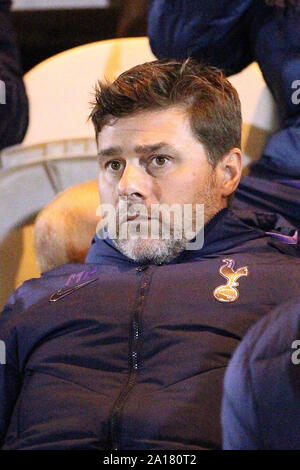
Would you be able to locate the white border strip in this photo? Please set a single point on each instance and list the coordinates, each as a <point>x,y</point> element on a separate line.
<point>58,4</point>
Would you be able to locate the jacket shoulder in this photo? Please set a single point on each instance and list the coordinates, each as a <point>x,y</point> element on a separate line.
<point>35,289</point>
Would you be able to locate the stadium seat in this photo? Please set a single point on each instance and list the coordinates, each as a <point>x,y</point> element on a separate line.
<point>259,111</point>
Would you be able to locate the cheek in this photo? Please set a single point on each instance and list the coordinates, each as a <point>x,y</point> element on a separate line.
<point>184,186</point>
<point>106,190</point>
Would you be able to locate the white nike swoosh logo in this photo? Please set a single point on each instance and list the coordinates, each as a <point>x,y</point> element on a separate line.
<point>60,293</point>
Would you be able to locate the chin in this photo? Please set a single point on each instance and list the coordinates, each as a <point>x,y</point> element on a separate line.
<point>151,251</point>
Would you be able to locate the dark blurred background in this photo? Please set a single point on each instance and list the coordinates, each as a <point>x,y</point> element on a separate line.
<point>44,29</point>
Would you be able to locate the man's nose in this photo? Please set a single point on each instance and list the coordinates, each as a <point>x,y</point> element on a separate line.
<point>134,183</point>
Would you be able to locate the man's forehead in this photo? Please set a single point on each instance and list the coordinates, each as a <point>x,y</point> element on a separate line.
<point>106,151</point>
<point>146,128</point>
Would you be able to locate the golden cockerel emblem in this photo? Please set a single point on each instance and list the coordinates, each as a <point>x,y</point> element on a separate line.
<point>228,292</point>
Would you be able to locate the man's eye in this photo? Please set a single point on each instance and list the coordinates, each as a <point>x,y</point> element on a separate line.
<point>114,165</point>
<point>159,160</point>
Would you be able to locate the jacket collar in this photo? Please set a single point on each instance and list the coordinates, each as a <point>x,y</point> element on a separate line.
<point>226,230</point>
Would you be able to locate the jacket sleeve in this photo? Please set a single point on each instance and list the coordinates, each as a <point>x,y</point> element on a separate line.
<point>262,384</point>
<point>13,99</point>
<point>10,378</point>
<point>239,419</point>
<point>203,30</point>
<point>268,196</point>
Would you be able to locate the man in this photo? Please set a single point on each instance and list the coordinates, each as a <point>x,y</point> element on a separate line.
<point>13,99</point>
<point>261,403</point>
<point>128,351</point>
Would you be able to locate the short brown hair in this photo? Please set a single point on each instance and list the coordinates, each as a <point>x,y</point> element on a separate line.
<point>211,103</point>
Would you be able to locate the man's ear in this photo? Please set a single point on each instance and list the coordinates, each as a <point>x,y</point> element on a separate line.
<point>230,171</point>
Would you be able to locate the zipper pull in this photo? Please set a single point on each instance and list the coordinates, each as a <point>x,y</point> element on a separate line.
<point>141,268</point>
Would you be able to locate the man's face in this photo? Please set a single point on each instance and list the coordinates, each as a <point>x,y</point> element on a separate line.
<point>152,158</point>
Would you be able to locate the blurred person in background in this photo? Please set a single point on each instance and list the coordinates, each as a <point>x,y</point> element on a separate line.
<point>13,99</point>
<point>261,400</point>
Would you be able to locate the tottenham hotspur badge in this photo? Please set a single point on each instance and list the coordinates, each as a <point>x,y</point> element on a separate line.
<point>228,292</point>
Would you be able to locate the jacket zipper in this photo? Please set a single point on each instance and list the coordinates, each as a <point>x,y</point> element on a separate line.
<point>134,340</point>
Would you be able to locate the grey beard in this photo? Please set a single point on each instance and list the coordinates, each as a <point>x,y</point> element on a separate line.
<point>151,251</point>
<point>164,250</point>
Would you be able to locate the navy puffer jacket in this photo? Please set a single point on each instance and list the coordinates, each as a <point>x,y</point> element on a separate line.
<point>133,357</point>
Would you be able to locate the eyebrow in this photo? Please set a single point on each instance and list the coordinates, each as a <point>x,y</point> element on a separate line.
<point>113,151</point>
<point>110,152</point>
